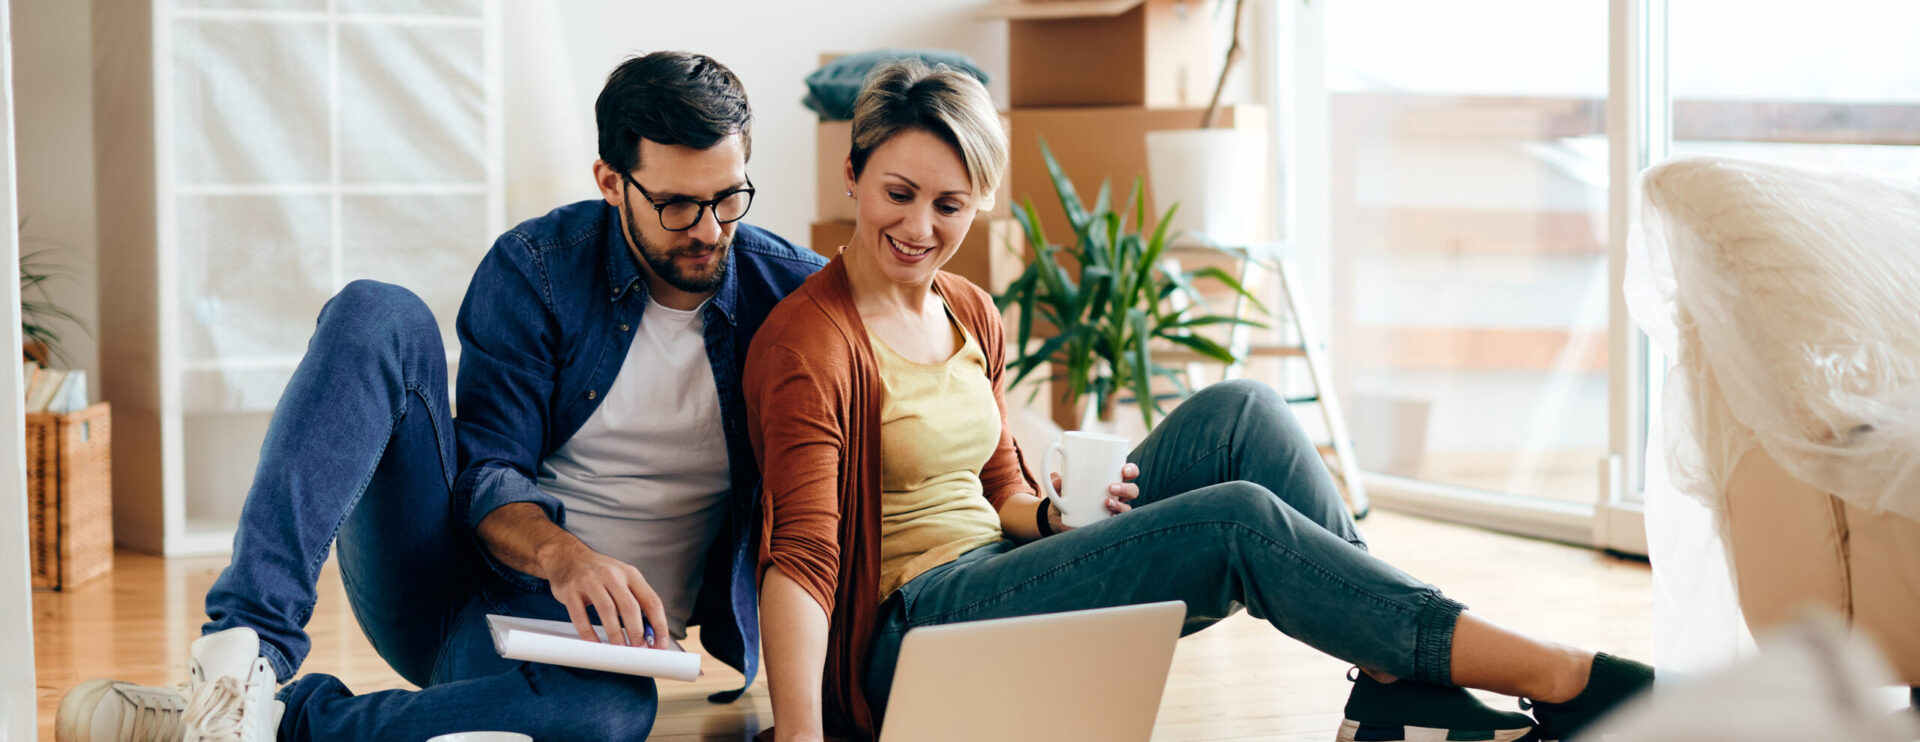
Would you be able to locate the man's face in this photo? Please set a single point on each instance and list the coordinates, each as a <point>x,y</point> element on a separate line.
<point>694,259</point>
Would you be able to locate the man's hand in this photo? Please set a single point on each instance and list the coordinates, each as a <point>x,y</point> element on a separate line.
<point>520,535</point>
<point>628,608</point>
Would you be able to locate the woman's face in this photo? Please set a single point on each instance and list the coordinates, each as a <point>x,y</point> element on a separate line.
<point>915,204</point>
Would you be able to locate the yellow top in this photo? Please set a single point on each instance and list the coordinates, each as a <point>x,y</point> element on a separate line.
<point>938,425</point>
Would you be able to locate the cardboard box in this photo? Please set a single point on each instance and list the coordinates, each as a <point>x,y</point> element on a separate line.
<point>989,256</point>
<point>1156,53</point>
<point>832,140</point>
<point>1102,144</point>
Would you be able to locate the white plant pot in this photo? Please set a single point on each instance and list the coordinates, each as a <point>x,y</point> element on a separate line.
<point>1217,177</point>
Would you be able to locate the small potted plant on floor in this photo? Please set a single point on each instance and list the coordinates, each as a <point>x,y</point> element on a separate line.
<point>40,337</point>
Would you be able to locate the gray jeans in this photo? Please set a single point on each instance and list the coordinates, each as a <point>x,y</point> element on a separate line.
<point>1235,510</point>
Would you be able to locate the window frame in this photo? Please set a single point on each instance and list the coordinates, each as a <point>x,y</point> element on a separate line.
<point>1638,134</point>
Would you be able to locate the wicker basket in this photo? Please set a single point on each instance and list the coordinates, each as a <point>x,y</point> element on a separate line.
<point>70,496</point>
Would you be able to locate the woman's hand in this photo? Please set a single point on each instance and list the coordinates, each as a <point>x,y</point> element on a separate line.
<point>1120,496</point>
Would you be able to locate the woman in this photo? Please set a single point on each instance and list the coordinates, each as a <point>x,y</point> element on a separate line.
<point>895,495</point>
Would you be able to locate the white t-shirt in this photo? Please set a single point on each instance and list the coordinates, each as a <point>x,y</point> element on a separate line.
<point>645,480</point>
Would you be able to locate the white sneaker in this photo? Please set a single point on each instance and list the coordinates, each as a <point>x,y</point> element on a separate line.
<point>113,711</point>
<point>231,697</point>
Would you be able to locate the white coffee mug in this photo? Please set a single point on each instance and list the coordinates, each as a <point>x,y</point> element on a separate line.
<point>1093,463</point>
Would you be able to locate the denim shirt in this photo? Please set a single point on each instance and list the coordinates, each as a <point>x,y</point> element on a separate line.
<point>544,329</point>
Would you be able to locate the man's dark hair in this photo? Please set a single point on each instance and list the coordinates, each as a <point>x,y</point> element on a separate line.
<point>677,98</point>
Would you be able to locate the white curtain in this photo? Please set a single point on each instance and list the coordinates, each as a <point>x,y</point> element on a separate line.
<point>551,137</point>
<point>311,150</point>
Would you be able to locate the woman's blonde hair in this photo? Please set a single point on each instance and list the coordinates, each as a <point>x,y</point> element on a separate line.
<point>945,102</point>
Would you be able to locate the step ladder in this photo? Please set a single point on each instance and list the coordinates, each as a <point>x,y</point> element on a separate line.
<point>1304,344</point>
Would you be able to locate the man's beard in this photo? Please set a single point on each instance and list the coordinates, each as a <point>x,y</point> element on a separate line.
<point>663,265</point>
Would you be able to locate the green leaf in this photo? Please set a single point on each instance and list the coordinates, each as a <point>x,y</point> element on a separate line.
<point>1142,364</point>
<point>1179,379</point>
<point>1096,284</point>
<point>1057,284</point>
<point>39,332</point>
<point>1103,201</point>
<point>1204,346</point>
<point>1214,319</point>
<point>1219,274</point>
<point>1183,281</point>
<point>1041,356</point>
<point>1092,247</point>
<point>1110,249</point>
<point>40,311</point>
<point>1069,198</point>
<point>1051,313</point>
<point>1106,350</point>
<point>1157,243</point>
<point>1020,293</point>
<point>1137,201</point>
<point>1011,296</point>
<point>1079,365</point>
<point>1026,312</point>
<point>1030,223</point>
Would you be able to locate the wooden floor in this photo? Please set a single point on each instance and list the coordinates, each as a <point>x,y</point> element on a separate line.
<point>1239,680</point>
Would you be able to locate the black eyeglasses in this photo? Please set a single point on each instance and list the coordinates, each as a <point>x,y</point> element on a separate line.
<point>680,214</point>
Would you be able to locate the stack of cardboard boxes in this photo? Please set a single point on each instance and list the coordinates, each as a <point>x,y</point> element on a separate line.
<point>990,256</point>
<point>1091,78</point>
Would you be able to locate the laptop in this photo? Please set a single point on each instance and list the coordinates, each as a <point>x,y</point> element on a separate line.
<point>1058,677</point>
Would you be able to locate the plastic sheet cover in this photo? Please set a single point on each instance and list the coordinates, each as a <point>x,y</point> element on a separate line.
<point>1789,304</point>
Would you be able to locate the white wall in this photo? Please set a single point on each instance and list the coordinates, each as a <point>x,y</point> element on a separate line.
<point>560,53</point>
<point>557,56</point>
<point>53,110</point>
<point>17,720</point>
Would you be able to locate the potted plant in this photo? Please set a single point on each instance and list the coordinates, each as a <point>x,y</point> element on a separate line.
<point>39,335</point>
<point>1103,325</point>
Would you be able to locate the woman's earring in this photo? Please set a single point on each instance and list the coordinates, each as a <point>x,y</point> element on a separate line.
<point>849,194</point>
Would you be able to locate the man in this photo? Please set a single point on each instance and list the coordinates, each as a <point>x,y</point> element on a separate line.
<point>599,469</point>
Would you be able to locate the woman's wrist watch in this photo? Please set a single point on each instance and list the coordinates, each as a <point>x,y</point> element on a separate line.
<point>1040,518</point>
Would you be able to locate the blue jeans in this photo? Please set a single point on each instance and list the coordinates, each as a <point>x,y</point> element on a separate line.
<point>361,450</point>
<point>1235,510</point>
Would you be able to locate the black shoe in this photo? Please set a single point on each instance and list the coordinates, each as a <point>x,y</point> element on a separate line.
<point>1611,681</point>
<point>1419,712</point>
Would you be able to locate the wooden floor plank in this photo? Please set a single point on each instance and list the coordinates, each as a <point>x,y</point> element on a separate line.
<point>1239,680</point>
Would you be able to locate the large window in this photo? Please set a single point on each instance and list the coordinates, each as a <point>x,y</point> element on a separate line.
<point>1459,182</point>
<point>1467,243</point>
<point>1831,84</point>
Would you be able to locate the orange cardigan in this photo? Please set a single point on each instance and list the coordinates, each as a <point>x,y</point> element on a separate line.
<point>813,413</point>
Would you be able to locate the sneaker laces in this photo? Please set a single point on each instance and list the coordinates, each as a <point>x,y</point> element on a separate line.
<point>154,718</point>
<point>217,712</point>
